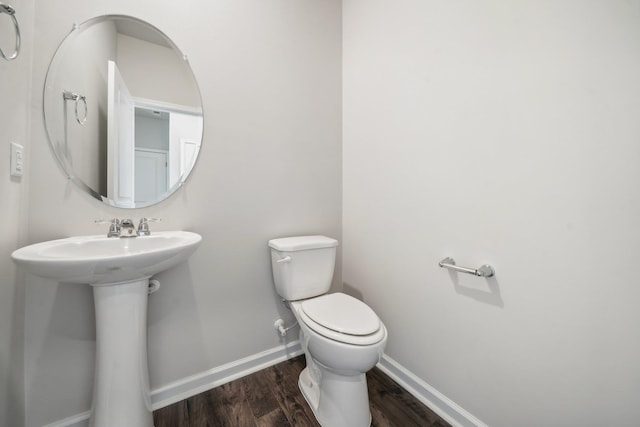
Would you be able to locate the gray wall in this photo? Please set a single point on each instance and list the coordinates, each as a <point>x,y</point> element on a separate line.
<point>155,72</point>
<point>15,86</point>
<point>504,133</point>
<point>269,73</point>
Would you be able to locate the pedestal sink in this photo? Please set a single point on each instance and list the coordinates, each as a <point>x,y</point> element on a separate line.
<point>118,269</point>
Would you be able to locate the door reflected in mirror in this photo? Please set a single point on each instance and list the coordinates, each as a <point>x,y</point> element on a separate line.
<point>167,143</point>
<point>123,111</point>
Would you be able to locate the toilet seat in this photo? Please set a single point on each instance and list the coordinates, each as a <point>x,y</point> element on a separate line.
<point>342,318</point>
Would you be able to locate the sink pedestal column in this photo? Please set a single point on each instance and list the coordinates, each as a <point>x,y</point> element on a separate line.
<point>121,394</point>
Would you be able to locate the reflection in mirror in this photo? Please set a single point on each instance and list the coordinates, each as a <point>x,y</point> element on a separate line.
<point>123,111</point>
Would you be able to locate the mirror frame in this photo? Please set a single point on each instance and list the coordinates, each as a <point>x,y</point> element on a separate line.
<point>49,92</point>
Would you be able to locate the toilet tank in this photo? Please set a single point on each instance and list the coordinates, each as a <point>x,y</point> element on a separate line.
<point>302,266</point>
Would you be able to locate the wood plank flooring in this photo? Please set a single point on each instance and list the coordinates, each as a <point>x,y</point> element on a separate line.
<point>271,398</point>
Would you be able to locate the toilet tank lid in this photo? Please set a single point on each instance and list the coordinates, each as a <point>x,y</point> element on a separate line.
<point>302,243</point>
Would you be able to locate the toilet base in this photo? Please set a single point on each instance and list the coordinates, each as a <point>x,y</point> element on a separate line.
<point>339,401</point>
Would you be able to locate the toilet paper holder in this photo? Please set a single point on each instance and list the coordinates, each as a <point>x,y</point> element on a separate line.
<point>482,271</point>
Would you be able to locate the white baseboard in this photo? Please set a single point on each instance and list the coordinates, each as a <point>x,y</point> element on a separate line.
<point>190,386</point>
<point>436,401</point>
<point>195,384</point>
<point>79,420</point>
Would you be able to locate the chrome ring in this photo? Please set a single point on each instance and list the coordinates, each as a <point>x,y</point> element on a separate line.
<point>4,8</point>
<point>86,109</point>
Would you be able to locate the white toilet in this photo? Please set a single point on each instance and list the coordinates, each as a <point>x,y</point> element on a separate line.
<point>341,336</point>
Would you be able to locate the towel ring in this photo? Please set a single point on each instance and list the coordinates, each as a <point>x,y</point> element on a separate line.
<point>86,110</point>
<point>77,98</point>
<point>5,8</point>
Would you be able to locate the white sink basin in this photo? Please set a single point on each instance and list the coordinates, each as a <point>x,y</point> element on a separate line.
<point>102,260</point>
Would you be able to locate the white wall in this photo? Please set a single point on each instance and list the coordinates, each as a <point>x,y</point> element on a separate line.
<point>501,133</point>
<point>269,73</point>
<point>155,72</point>
<point>15,86</point>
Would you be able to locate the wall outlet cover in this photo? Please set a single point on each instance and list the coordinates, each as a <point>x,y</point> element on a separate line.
<point>17,159</point>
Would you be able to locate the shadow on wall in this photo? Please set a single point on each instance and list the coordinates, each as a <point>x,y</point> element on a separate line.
<point>290,324</point>
<point>73,313</point>
<point>61,334</point>
<point>285,313</point>
<point>354,292</point>
<point>176,334</point>
<point>489,293</point>
<point>13,392</point>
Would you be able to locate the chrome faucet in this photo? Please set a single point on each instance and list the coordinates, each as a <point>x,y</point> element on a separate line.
<point>125,227</point>
<point>127,224</point>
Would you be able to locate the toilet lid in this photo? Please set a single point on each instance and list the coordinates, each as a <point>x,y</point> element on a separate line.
<point>341,313</point>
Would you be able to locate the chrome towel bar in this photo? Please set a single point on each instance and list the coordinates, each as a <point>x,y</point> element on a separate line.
<point>483,271</point>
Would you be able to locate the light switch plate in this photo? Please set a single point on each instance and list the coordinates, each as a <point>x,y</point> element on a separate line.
<point>17,159</point>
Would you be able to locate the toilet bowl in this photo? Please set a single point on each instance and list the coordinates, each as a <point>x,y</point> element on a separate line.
<point>341,336</point>
<point>334,383</point>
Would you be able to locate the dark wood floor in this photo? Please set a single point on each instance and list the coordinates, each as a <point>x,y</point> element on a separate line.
<point>271,398</point>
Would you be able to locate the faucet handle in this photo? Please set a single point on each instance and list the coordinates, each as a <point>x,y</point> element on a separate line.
<point>143,226</point>
<point>114,226</point>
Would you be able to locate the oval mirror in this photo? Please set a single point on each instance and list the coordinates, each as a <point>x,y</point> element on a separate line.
<point>123,111</point>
